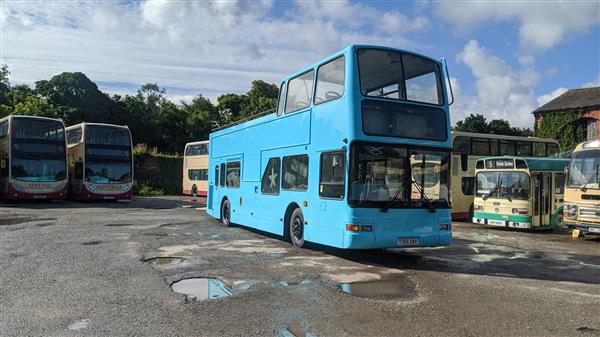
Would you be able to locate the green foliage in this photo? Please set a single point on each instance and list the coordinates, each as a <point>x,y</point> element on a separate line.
<point>145,190</point>
<point>478,124</point>
<point>568,127</point>
<point>151,117</point>
<point>157,172</point>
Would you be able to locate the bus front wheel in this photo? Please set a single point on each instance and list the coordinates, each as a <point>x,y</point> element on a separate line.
<point>296,228</point>
<point>226,213</point>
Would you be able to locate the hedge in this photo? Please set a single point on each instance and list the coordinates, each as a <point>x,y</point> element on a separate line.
<point>156,173</point>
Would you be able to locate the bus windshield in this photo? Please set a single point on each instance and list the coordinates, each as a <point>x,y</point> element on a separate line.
<point>107,135</point>
<point>584,170</point>
<point>379,174</point>
<point>104,172</point>
<point>38,150</point>
<point>503,185</point>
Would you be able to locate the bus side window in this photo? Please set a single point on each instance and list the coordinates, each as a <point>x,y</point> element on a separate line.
<point>222,177</point>
<point>270,179</point>
<point>468,185</point>
<point>216,176</point>
<point>78,170</point>
<point>464,162</point>
<point>559,183</point>
<point>332,177</point>
<point>295,173</point>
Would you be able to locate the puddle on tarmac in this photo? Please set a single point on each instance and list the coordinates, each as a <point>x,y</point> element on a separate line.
<point>164,260</point>
<point>399,288</point>
<point>201,288</point>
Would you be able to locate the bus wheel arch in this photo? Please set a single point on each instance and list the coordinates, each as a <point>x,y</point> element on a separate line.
<point>225,213</point>
<point>294,225</point>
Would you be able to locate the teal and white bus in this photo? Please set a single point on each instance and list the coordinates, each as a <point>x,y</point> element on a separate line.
<point>356,155</point>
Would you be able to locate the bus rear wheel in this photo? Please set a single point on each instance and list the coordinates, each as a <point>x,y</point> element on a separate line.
<point>296,228</point>
<point>194,191</point>
<point>226,213</point>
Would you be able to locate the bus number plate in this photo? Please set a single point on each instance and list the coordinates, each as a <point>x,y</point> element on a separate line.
<point>108,198</point>
<point>408,242</point>
<point>39,197</point>
<point>496,223</point>
<point>594,229</point>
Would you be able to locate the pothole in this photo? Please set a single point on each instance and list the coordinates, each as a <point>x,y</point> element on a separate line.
<point>164,261</point>
<point>119,224</point>
<point>19,220</point>
<point>201,288</point>
<point>399,288</point>
<point>92,243</point>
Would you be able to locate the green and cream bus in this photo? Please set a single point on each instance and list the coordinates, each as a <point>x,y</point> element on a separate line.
<point>469,147</point>
<point>519,192</point>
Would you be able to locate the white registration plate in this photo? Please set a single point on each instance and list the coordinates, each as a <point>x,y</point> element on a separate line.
<point>496,223</point>
<point>408,242</point>
<point>594,229</point>
<point>39,197</point>
<point>108,198</point>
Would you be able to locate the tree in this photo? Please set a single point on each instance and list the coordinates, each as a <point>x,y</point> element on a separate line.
<point>77,91</point>
<point>473,123</point>
<point>4,83</point>
<point>479,124</point>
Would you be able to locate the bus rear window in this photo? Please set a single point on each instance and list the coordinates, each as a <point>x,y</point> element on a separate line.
<point>394,119</point>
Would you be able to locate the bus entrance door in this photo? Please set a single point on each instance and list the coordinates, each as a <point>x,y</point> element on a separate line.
<point>542,201</point>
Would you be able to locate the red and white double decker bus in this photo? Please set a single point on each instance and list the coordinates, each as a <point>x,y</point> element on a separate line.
<point>100,161</point>
<point>33,158</point>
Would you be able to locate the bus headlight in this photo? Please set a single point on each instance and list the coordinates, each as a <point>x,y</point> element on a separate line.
<point>570,211</point>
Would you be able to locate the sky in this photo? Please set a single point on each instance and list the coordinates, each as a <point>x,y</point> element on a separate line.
<point>505,58</point>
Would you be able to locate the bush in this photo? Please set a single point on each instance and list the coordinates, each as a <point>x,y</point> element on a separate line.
<point>157,173</point>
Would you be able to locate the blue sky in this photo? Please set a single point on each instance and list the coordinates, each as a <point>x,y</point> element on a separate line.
<point>505,57</point>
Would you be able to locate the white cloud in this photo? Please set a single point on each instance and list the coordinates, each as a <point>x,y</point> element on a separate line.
<point>201,46</point>
<point>593,83</point>
<point>541,24</point>
<point>543,99</point>
<point>501,91</point>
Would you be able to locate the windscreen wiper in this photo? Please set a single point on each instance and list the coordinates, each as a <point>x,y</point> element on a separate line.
<point>424,197</point>
<point>487,196</point>
<point>390,202</point>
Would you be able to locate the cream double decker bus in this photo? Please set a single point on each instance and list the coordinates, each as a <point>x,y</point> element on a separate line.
<point>100,161</point>
<point>517,192</point>
<point>582,195</point>
<point>195,168</point>
<point>469,147</point>
<point>33,158</point>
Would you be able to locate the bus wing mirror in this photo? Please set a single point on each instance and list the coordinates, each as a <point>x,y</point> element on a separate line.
<point>464,162</point>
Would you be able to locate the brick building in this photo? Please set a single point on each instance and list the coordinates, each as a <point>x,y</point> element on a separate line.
<point>586,99</point>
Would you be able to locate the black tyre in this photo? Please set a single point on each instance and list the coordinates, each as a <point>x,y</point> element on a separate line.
<point>296,228</point>
<point>471,213</point>
<point>194,191</point>
<point>226,213</point>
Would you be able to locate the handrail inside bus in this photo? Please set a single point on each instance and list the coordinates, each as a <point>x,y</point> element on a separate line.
<point>253,116</point>
<point>449,81</point>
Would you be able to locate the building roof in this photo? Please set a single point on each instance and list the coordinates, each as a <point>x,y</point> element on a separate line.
<point>574,98</point>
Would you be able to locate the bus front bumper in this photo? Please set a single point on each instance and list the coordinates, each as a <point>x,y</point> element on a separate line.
<point>370,240</point>
<point>14,194</point>
<point>502,223</point>
<point>583,226</point>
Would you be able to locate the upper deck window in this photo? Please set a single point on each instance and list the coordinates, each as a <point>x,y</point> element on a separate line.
<point>3,129</point>
<point>280,100</point>
<point>196,150</point>
<point>107,135</point>
<point>299,93</point>
<point>330,80</point>
<point>74,136</point>
<point>393,75</point>
<point>42,129</point>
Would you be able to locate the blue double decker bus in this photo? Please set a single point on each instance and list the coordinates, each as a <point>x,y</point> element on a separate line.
<point>356,155</point>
